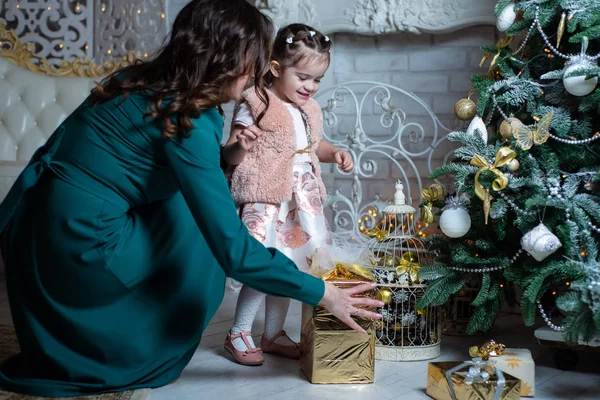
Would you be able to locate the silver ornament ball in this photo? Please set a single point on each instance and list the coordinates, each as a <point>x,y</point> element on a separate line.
<point>578,84</point>
<point>455,223</point>
<point>514,165</point>
<point>540,242</point>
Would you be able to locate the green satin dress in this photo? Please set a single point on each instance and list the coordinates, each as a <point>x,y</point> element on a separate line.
<point>116,245</point>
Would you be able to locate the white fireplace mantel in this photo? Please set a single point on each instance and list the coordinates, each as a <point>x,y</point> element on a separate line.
<point>371,17</point>
<point>374,17</point>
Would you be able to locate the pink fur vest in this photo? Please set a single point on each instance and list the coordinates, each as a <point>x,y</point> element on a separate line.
<point>265,175</point>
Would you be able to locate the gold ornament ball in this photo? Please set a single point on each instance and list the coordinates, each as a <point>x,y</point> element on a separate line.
<point>465,109</point>
<point>385,295</point>
<point>513,166</point>
<point>510,127</point>
<point>391,261</point>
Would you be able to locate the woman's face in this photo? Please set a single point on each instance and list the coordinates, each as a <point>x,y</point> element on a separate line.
<point>243,81</point>
<point>240,85</point>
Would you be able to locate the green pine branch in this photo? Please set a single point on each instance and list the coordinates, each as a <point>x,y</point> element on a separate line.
<point>439,291</point>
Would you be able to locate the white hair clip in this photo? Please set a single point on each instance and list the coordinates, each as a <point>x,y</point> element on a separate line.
<point>290,40</point>
<point>312,33</point>
<point>327,38</point>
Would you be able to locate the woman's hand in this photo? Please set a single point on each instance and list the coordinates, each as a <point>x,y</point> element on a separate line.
<point>344,160</point>
<point>247,137</point>
<point>342,305</point>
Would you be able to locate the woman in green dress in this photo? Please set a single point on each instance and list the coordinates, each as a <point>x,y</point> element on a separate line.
<point>119,234</point>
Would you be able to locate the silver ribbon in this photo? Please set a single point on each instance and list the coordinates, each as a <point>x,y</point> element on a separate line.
<point>475,374</point>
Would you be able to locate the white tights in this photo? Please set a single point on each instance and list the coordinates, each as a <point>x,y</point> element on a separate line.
<point>248,304</point>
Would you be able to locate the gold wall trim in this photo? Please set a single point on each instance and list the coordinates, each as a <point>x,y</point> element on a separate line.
<point>23,55</point>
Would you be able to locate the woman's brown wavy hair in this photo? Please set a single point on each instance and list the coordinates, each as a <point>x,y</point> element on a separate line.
<point>212,44</point>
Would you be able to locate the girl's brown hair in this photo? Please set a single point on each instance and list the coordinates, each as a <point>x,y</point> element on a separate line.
<point>212,44</point>
<point>306,43</point>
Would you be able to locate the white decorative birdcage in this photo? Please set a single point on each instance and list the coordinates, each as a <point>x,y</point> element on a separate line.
<point>406,332</point>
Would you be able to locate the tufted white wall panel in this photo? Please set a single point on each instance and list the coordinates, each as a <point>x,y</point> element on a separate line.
<point>32,106</point>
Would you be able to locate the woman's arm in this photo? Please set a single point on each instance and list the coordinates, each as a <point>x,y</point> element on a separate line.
<point>195,163</point>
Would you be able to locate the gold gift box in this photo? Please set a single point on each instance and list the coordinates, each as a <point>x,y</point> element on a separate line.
<point>331,352</point>
<point>438,386</point>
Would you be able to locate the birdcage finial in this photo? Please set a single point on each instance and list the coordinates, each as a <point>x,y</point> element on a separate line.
<point>399,197</point>
<point>399,206</point>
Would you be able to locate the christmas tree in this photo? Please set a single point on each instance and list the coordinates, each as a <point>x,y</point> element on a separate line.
<point>525,215</point>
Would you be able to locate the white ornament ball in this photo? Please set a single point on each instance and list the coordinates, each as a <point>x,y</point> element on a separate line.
<point>478,124</point>
<point>540,242</point>
<point>455,222</point>
<point>506,18</point>
<point>578,85</point>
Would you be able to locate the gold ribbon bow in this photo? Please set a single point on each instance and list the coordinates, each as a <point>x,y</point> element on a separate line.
<point>377,233</point>
<point>502,43</point>
<point>409,264</point>
<point>430,194</point>
<point>487,350</point>
<point>503,157</point>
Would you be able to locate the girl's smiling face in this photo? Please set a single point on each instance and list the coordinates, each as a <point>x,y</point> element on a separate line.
<point>298,83</point>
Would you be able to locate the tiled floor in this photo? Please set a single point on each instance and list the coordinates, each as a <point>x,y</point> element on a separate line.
<point>211,374</point>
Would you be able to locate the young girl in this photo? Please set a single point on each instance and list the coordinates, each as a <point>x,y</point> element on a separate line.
<point>276,147</point>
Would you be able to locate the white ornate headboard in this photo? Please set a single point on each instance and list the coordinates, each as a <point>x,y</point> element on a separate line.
<point>35,97</point>
<point>387,144</point>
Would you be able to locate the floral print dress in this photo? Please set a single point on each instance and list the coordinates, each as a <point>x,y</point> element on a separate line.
<point>297,227</point>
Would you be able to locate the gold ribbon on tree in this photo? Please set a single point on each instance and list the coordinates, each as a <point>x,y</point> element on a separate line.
<point>503,157</point>
<point>377,233</point>
<point>409,264</point>
<point>502,43</point>
<point>432,193</point>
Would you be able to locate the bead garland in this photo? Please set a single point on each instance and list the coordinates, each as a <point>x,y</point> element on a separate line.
<point>522,46</point>
<point>555,50</point>
<point>514,206</point>
<point>548,322</point>
<point>573,141</point>
<point>558,139</point>
<point>555,190</point>
<point>594,227</point>
<point>484,270</point>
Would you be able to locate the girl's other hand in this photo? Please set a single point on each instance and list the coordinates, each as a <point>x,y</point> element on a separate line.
<point>247,137</point>
<point>344,160</point>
